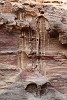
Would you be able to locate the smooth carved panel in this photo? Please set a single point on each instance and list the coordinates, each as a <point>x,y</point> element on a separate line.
<point>42,34</point>
<point>8,41</point>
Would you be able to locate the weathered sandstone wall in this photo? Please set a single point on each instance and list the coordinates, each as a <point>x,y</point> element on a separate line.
<point>33,37</point>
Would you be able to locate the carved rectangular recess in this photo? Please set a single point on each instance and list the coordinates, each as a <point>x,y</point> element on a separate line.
<point>8,41</point>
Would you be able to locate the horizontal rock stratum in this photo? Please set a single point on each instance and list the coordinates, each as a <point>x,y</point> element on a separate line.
<point>33,50</point>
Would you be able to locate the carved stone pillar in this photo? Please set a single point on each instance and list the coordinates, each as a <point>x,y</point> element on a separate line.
<point>20,53</point>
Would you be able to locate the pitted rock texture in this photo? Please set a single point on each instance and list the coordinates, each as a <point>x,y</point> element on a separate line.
<point>33,50</point>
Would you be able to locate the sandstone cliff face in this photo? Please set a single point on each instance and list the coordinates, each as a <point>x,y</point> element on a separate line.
<point>33,49</point>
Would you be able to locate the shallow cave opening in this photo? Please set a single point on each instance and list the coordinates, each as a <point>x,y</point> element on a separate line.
<point>32,87</point>
<point>54,34</point>
<point>44,87</point>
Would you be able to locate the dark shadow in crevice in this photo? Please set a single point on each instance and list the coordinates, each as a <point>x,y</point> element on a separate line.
<point>44,88</point>
<point>64,45</point>
<point>32,87</point>
<point>54,34</point>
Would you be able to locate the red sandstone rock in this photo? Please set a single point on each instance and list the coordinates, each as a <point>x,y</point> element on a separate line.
<point>34,38</point>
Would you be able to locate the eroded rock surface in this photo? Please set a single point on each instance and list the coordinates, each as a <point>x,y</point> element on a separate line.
<point>33,50</point>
